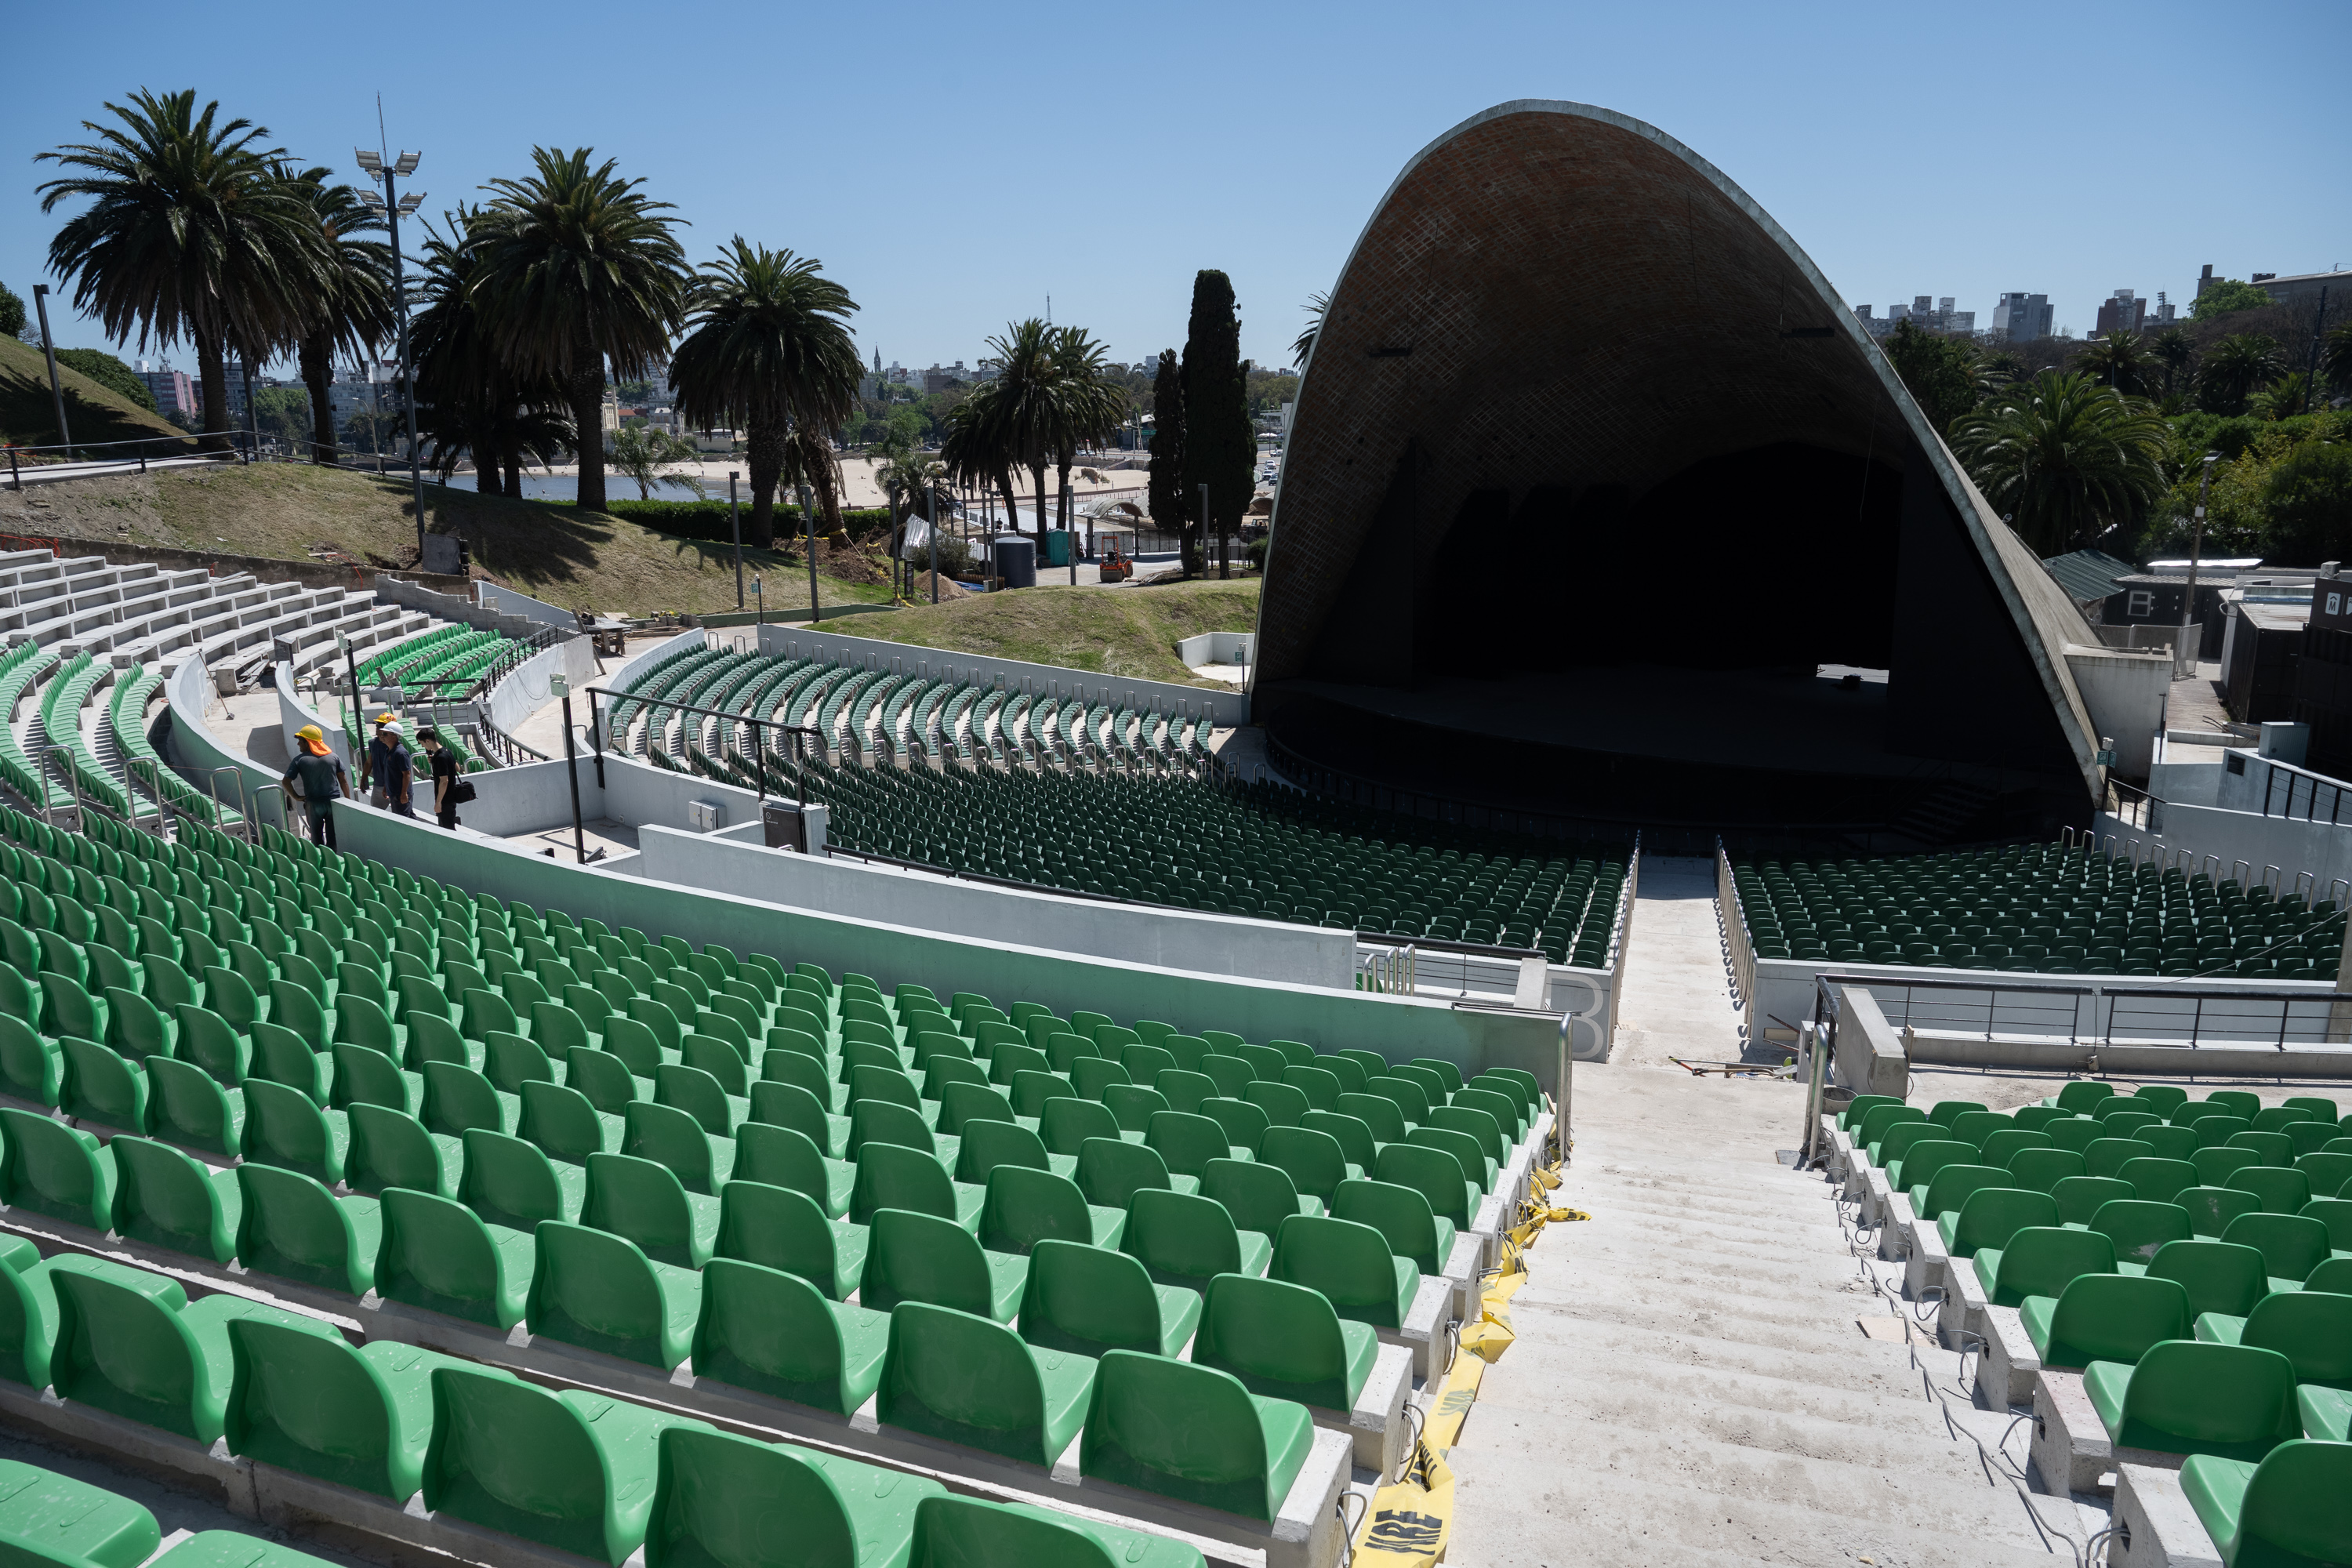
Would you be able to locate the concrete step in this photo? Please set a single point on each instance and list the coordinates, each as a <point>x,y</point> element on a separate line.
<point>1725,1235</point>
<point>1535,1323</point>
<point>1796,1290</point>
<point>1627,1386</point>
<point>1851,1363</point>
<point>1748,1184</point>
<point>1531,1509</point>
<point>1921,1449</point>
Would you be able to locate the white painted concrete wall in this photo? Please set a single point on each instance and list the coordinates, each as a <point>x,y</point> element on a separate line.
<point>523,690</point>
<point>506,601</point>
<point>294,711</point>
<point>1218,648</point>
<point>194,746</point>
<point>2125,693</point>
<point>1129,933</point>
<point>1227,708</point>
<point>2246,843</point>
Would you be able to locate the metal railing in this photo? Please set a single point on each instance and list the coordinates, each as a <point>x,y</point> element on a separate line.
<point>2301,783</point>
<point>1388,971</point>
<point>761,727</point>
<point>16,467</point>
<point>2130,803</point>
<point>2182,1016</point>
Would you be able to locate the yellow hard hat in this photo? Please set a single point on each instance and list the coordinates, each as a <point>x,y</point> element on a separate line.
<point>387,718</point>
<point>308,732</point>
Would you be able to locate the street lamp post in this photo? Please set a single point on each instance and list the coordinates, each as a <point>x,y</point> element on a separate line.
<point>2184,658</point>
<point>50,345</point>
<point>394,205</point>
<point>735,513</point>
<point>808,525</point>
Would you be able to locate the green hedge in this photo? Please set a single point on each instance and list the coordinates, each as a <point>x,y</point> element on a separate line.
<point>708,520</point>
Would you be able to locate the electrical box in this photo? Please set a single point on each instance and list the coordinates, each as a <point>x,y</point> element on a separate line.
<point>706,815</point>
<point>786,828</point>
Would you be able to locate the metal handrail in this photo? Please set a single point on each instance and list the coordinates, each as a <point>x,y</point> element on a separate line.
<point>596,732</point>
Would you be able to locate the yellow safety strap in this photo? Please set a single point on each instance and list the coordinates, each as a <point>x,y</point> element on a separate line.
<point>1410,1519</point>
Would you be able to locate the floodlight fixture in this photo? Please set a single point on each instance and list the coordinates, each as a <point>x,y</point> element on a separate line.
<point>368,161</point>
<point>411,202</point>
<point>406,165</point>
<point>369,199</point>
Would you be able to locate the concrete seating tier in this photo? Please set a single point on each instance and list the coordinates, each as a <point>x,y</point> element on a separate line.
<point>280,1068</point>
<point>1253,851</point>
<point>2163,1279</point>
<point>2046,909</point>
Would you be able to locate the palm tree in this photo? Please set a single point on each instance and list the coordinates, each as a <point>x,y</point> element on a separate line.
<point>647,454</point>
<point>351,308</point>
<point>2236,367</point>
<point>2064,458</point>
<point>580,268</point>
<point>468,399</point>
<point>1316,304</point>
<point>2173,350</point>
<point>976,449</point>
<point>187,236</point>
<point>1088,404</point>
<point>1026,418</point>
<point>771,352</point>
<point>2336,357</point>
<point>2281,399</point>
<point>2123,362</point>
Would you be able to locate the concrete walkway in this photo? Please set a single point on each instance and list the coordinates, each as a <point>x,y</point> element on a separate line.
<point>1705,1372</point>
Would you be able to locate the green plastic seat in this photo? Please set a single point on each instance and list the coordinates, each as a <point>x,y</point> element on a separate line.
<point>2105,1316</point>
<point>2139,1228</point>
<point>1403,1218</point>
<point>2280,1192</point>
<point>310,1402</point>
<point>1989,1216</point>
<point>1953,1185</point>
<point>1023,1205</point>
<point>780,1157</point>
<point>1283,1103</point>
<point>2283,1511</point>
<point>163,1197</point>
<point>674,1138</point>
<point>1312,1159</point>
<point>439,1255</point>
<point>778,1227</point>
<point>2210,1209</point>
<point>988,1144</point>
<point>365,1076</point>
<point>965,1379</point>
<point>1377,1112</point>
<point>292,1227</point>
<point>1259,1197</point>
<point>565,1124</point>
<point>893,1176</point>
<point>1187,1239</point>
<point>2220,1276</point>
<point>49,1168</point>
<point>2313,1328</point>
<point>132,1344</point>
<point>2039,1260</point>
<point>923,1257</point>
<point>601,1292</point>
<point>1284,1341</point>
<point>48,1517</point>
<point>2041,1170</point>
<point>28,1314</point>
<point>513,1184</point>
<point>2159,1181</point>
<point>1920,1158</point>
<point>30,1066</point>
<point>2292,1244</point>
<point>390,1149</point>
<point>101,1086</point>
<point>646,1203</point>
<point>1192,1431</point>
<point>2080,1198</point>
<point>573,1470</point>
<point>1436,1176</point>
<point>1091,1299</point>
<point>725,1499</point>
<point>1476,1168</point>
<point>1350,1265</point>
<point>2084,1095</point>
<point>283,1126</point>
<point>1245,1124</point>
<point>1065,1122</point>
<point>2234,1402</point>
<point>1111,1171</point>
<point>2107,1156</point>
<point>774,1332</point>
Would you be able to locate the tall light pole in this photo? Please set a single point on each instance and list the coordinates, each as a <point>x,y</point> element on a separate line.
<point>2186,656</point>
<point>49,345</point>
<point>393,205</point>
<point>735,511</point>
<point>808,522</point>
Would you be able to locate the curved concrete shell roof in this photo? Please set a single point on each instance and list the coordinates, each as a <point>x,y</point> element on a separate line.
<point>1555,295</point>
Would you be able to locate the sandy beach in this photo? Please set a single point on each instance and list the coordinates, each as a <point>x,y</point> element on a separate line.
<point>859,490</point>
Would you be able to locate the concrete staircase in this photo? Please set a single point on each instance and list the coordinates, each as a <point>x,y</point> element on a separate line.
<point>1706,1373</point>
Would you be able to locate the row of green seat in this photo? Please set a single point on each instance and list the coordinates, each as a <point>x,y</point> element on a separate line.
<point>582,1472</point>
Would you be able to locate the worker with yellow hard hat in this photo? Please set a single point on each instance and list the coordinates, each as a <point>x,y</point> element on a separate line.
<point>317,774</point>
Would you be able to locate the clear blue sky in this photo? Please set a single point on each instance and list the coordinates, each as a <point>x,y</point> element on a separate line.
<point>955,164</point>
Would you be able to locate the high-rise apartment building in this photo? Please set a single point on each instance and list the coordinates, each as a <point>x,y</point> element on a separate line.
<point>2123,311</point>
<point>2021,318</point>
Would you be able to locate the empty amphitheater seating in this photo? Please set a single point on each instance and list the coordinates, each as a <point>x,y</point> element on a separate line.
<point>2040,907</point>
<point>1119,812</point>
<point>817,1191</point>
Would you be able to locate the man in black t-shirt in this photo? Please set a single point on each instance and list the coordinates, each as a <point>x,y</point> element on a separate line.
<point>319,773</point>
<point>444,776</point>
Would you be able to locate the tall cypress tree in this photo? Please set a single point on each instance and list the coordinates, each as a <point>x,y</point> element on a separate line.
<point>1220,448</point>
<point>1168,513</point>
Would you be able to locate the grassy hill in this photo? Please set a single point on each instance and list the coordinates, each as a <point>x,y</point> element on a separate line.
<point>1114,631</point>
<point>29,415</point>
<point>295,511</point>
